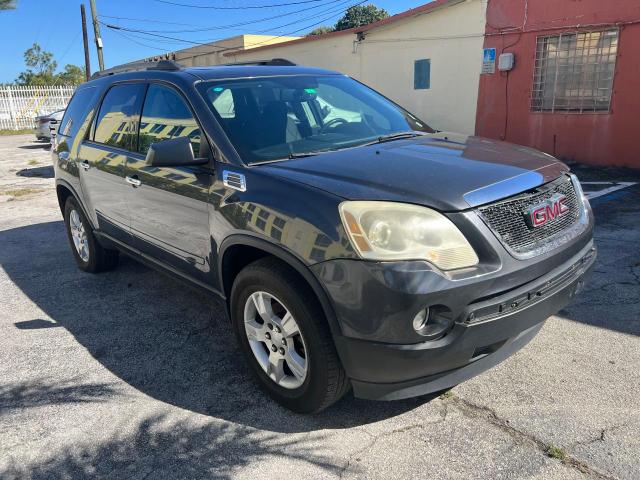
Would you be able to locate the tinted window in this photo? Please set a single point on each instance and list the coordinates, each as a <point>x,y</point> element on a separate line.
<point>119,113</point>
<point>165,115</point>
<point>76,111</point>
<point>422,74</point>
<point>279,117</point>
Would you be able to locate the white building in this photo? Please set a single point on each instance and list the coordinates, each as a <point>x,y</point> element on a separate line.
<point>427,59</point>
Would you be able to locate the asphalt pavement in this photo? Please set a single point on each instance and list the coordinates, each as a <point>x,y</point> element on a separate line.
<point>130,374</point>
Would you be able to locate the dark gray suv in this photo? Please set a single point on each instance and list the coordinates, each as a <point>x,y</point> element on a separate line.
<point>355,247</point>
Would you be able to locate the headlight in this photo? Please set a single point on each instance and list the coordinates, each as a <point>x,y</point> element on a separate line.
<point>397,231</point>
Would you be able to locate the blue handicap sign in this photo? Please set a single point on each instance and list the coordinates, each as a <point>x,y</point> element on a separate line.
<point>489,55</point>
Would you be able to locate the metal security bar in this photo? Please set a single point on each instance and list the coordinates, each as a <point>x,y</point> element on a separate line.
<point>574,72</point>
<point>20,105</point>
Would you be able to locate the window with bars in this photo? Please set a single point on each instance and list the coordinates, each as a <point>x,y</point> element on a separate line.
<point>574,72</point>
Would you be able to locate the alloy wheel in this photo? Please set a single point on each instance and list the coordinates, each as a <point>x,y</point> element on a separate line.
<point>79,235</point>
<point>275,340</point>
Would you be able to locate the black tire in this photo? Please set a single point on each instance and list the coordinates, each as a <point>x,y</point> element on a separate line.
<point>99,259</point>
<point>326,381</point>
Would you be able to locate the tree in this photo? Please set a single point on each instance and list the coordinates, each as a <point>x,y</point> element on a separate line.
<point>321,30</point>
<point>7,4</point>
<point>359,15</point>
<point>72,75</point>
<point>41,69</point>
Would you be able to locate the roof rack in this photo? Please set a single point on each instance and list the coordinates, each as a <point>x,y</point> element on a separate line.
<point>274,62</point>
<point>166,65</point>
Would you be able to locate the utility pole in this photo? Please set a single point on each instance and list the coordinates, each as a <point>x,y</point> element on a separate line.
<point>96,32</point>
<point>85,41</point>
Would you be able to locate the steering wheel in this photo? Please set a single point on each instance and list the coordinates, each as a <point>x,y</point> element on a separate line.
<point>333,123</point>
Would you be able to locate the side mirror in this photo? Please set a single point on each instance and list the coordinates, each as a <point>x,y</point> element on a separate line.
<point>176,152</point>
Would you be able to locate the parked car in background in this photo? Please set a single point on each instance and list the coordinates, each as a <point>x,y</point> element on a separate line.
<point>46,124</point>
<point>354,246</point>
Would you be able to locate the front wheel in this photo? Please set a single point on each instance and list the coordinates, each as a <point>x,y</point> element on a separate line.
<point>285,337</point>
<point>90,256</point>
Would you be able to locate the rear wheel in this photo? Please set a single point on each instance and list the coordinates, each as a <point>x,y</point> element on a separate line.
<point>285,337</point>
<point>90,256</point>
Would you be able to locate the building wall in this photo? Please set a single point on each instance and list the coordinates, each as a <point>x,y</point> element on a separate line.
<point>450,37</point>
<point>332,52</point>
<point>504,111</point>
<point>213,53</point>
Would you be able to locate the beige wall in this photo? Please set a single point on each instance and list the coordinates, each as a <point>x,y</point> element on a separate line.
<point>331,52</point>
<point>451,37</point>
<point>213,53</point>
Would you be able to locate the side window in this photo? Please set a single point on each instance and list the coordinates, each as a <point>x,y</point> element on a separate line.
<point>76,111</point>
<point>119,113</point>
<point>165,115</point>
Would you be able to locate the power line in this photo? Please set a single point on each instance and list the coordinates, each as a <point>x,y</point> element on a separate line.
<point>214,49</point>
<point>300,29</point>
<point>287,4</point>
<point>139,43</point>
<point>145,20</point>
<point>207,42</point>
<point>240,24</point>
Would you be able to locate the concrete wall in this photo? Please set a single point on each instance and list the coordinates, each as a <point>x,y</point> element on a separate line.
<point>504,112</point>
<point>450,37</point>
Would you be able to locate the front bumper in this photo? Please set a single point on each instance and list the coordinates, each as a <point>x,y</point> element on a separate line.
<point>487,328</point>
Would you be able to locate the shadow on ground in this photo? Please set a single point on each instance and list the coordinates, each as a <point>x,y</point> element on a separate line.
<point>36,146</point>
<point>612,296</point>
<point>38,172</point>
<point>159,336</point>
<point>174,344</point>
<point>171,450</point>
<point>39,393</point>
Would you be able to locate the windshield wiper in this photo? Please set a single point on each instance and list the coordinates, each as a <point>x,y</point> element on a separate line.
<point>293,155</point>
<point>392,136</point>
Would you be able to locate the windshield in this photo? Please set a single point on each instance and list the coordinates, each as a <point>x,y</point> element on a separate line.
<point>275,118</point>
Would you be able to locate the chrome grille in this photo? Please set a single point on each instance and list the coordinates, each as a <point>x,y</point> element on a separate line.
<point>507,218</point>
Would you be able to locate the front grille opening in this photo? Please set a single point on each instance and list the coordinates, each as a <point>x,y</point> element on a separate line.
<point>508,218</point>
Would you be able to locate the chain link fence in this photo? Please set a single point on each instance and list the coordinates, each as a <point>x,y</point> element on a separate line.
<point>20,105</point>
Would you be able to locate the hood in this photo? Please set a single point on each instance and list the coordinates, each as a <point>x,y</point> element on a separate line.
<point>445,171</point>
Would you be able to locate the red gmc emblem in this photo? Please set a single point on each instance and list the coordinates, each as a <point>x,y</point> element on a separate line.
<point>543,213</point>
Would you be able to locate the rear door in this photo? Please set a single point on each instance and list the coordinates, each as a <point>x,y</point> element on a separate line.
<point>169,210</point>
<point>103,155</point>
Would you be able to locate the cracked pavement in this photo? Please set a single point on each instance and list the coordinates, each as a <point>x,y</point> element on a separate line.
<point>130,374</point>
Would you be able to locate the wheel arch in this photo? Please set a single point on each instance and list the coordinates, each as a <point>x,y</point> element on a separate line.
<point>64,190</point>
<point>239,250</point>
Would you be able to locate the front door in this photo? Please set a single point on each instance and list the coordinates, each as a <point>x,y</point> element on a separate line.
<point>168,205</point>
<point>102,158</point>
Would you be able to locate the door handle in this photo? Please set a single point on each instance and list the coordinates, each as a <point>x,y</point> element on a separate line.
<point>85,164</point>
<point>135,181</point>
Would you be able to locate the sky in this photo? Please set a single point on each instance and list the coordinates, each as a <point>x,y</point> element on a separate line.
<point>57,28</point>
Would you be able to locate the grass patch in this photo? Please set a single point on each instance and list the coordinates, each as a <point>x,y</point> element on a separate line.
<point>556,452</point>
<point>22,131</point>
<point>447,394</point>
<point>21,192</point>
<point>34,162</point>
